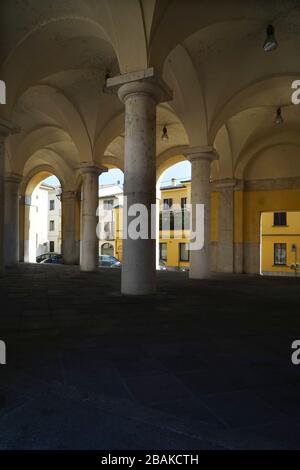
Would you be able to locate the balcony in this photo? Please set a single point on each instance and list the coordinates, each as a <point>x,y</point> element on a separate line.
<point>174,220</point>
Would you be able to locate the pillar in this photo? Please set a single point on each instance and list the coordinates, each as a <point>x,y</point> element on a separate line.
<point>68,202</point>
<point>140,92</point>
<point>6,128</point>
<point>2,169</point>
<point>158,202</point>
<point>12,215</point>
<point>201,159</point>
<point>225,250</point>
<point>239,227</point>
<point>28,208</point>
<point>89,252</point>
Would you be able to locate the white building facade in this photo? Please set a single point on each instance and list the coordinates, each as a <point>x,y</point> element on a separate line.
<point>110,197</point>
<point>44,221</point>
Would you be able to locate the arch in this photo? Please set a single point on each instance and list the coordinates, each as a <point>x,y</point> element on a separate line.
<point>200,16</point>
<point>107,249</point>
<point>28,217</point>
<point>168,158</point>
<point>64,38</point>
<point>131,44</point>
<point>265,142</point>
<point>36,176</point>
<point>188,98</point>
<point>262,92</point>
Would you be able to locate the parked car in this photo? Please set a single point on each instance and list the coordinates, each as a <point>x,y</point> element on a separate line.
<point>44,256</point>
<point>109,261</point>
<point>162,266</point>
<point>52,260</point>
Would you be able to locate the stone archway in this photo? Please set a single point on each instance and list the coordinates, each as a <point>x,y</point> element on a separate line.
<point>107,249</point>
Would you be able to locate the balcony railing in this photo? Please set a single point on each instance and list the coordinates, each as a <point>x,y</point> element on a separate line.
<point>174,220</point>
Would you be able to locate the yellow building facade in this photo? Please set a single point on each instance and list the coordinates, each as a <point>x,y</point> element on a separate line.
<point>258,245</point>
<point>280,242</point>
<point>173,244</point>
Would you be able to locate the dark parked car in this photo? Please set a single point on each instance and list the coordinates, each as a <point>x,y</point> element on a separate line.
<point>52,260</point>
<point>109,261</point>
<point>162,266</point>
<point>44,256</point>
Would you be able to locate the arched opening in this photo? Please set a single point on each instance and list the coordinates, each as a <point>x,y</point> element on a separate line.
<point>42,218</point>
<point>173,192</point>
<point>110,213</point>
<point>107,249</point>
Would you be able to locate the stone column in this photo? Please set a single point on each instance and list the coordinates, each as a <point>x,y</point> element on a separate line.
<point>89,252</point>
<point>225,254</point>
<point>12,215</point>
<point>201,159</point>
<point>239,227</point>
<point>158,202</point>
<point>6,128</point>
<point>141,92</point>
<point>2,169</point>
<point>68,205</point>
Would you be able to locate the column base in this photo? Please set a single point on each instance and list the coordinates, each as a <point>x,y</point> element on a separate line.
<point>195,275</point>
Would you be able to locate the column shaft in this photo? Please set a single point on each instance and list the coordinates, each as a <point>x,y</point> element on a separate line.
<point>69,227</point>
<point>225,225</point>
<point>6,128</point>
<point>2,166</point>
<point>89,258</point>
<point>12,214</point>
<point>138,272</point>
<point>140,91</point>
<point>201,194</point>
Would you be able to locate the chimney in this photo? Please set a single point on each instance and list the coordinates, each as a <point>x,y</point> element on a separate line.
<point>173,182</point>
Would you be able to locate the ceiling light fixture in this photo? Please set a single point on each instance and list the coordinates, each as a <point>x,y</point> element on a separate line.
<point>278,118</point>
<point>164,135</point>
<point>270,43</point>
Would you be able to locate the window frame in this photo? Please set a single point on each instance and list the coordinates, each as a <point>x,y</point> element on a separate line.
<point>109,202</point>
<point>160,251</point>
<point>278,257</point>
<point>183,202</point>
<point>280,219</point>
<point>187,251</point>
<point>167,206</point>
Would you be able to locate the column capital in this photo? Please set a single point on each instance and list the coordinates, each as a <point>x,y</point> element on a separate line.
<point>90,167</point>
<point>201,153</point>
<point>13,178</point>
<point>141,82</point>
<point>7,128</point>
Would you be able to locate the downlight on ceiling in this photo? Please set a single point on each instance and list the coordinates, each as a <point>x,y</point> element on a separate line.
<point>270,43</point>
<point>278,118</point>
<point>164,135</point>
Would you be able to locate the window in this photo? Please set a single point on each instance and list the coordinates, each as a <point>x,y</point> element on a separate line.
<point>183,202</point>
<point>167,204</point>
<point>52,204</point>
<point>108,204</point>
<point>51,247</point>
<point>184,253</point>
<point>51,226</point>
<point>279,218</point>
<point>163,250</point>
<point>279,254</point>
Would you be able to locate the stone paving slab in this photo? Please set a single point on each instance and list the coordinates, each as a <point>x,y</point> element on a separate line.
<point>200,365</point>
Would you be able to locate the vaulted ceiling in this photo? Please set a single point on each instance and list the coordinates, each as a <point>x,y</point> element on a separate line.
<point>54,57</point>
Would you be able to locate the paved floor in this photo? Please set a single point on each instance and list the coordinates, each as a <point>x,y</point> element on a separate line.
<point>200,365</point>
